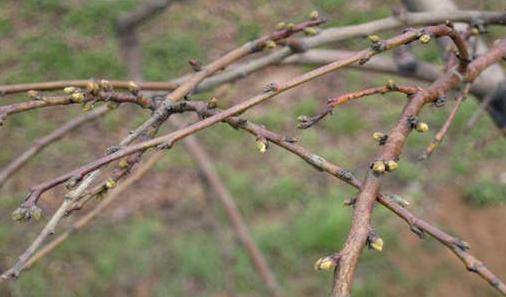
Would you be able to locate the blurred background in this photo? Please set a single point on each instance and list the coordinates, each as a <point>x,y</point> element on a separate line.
<point>164,238</point>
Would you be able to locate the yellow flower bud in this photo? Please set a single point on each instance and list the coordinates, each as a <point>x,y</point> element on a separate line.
<point>391,84</point>
<point>123,163</point>
<point>280,25</point>
<point>377,244</point>
<point>374,38</point>
<point>378,167</point>
<point>77,97</point>
<point>92,87</point>
<point>422,127</point>
<point>310,31</point>
<point>290,26</point>
<point>269,44</point>
<point>262,145</point>
<point>314,15</point>
<point>105,84</point>
<point>110,183</point>
<point>36,213</point>
<point>391,165</point>
<point>87,106</point>
<point>378,136</point>
<point>69,90</point>
<point>133,87</point>
<point>325,263</point>
<point>425,38</point>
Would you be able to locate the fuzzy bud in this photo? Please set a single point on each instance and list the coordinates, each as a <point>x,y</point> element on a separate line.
<point>269,44</point>
<point>422,127</point>
<point>391,165</point>
<point>133,87</point>
<point>262,144</point>
<point>77,97</point>
<point>376,243</point>
<point>92,87</point>
<point>374,38</point>
<point>379,136</point>
<point>314,15</point>
<point>290,26</point>
<point>110,183</point>
<point>70,90</point>
<point>391,85</point>
<point>325,263</point>
<point>33,94</point>
<point>310,31</point>
<point>87,106</point>
<point>281,26</point>
<point>425,38</point>
<point>123,163</point>
<point>212,103</point>
<point>105,84</point>
<point>378,167</point>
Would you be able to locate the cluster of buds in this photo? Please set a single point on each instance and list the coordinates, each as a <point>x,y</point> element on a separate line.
<point>380,166</point>
<point>415,123</point>
<point>23,213</point>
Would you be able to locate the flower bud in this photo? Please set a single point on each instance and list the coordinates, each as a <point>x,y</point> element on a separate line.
<point>133,87</point>
<point>391,85</point>
<point>376,243</point>
<point>105,84</point>
<point>281,26</point>
<point>325,263</point>
<point>314,15</point>
<point>87,106</point>
<point>422,127</point>
<point>425,38</point>
<point>213,102</point>
<point>110,183</point>
<point>310,31</point>
<point>33,94</point>
<point>262,144</point>
<point>379,136</point>
<point>290,26</point>
<point>77,97</point>
<point>391,165</point>
<point>374,38</point>
<point>269,44</point>
<point>123,163</point>
<point>378,167</point>
<point>69,90</point>
<point>92,87</point>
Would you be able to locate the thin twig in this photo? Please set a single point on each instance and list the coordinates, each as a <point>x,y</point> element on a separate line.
<point>41,143</point>
<point>46,231</point>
